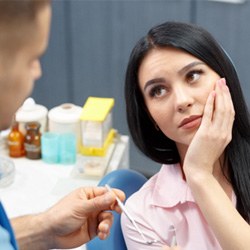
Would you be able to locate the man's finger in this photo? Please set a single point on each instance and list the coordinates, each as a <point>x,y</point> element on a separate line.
<point>99,203</point>
<point>106,220</point>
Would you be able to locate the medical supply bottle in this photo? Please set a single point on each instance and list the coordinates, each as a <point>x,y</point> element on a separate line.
<point>16,141</point>
<point>32,141</point>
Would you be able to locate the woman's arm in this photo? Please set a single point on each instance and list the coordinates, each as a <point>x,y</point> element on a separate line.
<point>203,154</point>
<point>230,228</point>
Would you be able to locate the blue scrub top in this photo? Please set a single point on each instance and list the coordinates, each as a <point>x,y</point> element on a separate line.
<point>7,237</point>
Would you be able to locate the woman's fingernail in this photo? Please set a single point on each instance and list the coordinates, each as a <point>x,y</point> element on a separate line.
<point>223,81</point>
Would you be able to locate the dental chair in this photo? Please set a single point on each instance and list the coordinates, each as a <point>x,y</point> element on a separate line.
<point>129,181</point>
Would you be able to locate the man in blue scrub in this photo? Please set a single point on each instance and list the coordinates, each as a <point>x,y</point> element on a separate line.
<point>81,215</point>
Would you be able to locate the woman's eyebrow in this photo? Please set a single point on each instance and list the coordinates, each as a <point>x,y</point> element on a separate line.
<point>153,81</point>
<point>189,66</point>
<point>181,71</point>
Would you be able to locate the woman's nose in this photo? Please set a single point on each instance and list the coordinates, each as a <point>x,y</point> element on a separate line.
<point>36,69</point>
<point>183,98</point>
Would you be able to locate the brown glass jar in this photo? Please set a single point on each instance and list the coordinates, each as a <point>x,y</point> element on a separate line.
<point>16,141</point>
<point>32,141</point>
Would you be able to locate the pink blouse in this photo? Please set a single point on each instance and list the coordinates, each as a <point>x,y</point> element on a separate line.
<point>163,202</point>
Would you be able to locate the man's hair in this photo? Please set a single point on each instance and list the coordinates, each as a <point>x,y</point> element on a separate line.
<point>16,11</point>
<point>16,17</point>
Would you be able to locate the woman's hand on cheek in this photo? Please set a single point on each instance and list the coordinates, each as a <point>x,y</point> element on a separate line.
<point>214,133</point>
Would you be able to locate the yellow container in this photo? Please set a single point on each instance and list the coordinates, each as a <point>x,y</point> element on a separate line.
<point>96,126</point>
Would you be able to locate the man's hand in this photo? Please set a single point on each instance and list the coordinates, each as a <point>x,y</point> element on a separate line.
<point>81,215</point>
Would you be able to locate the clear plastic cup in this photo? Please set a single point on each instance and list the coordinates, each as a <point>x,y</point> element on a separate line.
<point>50,147</point>
<point>68,148</point>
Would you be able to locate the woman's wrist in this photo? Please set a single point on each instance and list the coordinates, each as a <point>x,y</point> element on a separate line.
<point>196,175</point>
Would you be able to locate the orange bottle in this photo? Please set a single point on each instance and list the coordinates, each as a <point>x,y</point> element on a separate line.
<point>32,140</point>
<point>16,141</point>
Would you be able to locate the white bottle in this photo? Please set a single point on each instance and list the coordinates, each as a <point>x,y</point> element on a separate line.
<point>65,119</point>
<point>31,112</point>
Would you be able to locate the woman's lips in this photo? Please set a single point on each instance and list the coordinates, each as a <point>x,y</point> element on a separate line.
<point>191,122</point>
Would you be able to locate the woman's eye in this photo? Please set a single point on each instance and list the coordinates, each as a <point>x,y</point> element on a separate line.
<point>193,76</point>
<point>157,91</point>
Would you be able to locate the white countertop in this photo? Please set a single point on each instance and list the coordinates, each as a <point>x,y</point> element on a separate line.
<point>38,185</point>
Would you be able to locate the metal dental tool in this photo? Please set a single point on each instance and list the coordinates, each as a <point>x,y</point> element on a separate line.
<point>123,208</point>
<point>173,242</point>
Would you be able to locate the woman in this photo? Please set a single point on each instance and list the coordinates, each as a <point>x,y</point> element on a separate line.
<point>185,109</point>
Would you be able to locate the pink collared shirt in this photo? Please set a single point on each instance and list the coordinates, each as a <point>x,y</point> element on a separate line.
<point>163,202</point>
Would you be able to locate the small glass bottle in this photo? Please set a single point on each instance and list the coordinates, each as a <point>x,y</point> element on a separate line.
<point>16,141</point>
<point>32,141</point>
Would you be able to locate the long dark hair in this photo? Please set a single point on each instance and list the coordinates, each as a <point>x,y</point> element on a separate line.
<point>152,142</point>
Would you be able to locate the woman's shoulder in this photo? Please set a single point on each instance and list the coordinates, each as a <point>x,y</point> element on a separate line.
<point>144,194</point>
